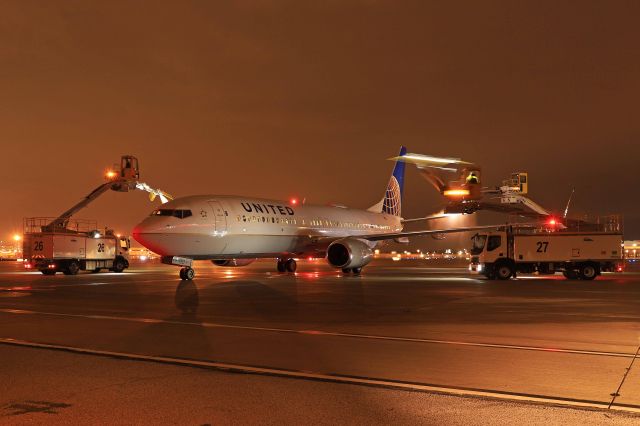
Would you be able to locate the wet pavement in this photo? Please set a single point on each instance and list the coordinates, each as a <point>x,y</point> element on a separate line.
<point>401,328</point>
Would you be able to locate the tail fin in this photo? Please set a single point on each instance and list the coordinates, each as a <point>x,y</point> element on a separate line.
<point>392,201</point>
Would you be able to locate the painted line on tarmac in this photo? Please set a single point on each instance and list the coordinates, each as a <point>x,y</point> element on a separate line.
<point>327,333</point>
<point>39,287</point>
<point>332,378</point>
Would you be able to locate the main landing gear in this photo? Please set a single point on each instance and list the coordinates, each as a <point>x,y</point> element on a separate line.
<point>356,271</point>
<point>187,273</point>
<point>287,265</point>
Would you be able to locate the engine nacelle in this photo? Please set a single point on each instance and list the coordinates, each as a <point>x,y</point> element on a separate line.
<point>232,262</point>
<point>349,253</point>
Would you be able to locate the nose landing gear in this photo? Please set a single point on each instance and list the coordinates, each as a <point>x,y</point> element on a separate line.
<point>187,273</point>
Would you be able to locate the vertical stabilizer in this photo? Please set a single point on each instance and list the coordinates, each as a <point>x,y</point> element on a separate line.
<point>392,201</point>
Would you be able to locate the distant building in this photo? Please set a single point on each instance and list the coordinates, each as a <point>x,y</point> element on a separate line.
<point>10,250</point>
<point>142,253</point>
<point>632,249</point>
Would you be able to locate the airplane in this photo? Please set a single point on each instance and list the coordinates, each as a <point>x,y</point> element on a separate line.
<point>234,231</point>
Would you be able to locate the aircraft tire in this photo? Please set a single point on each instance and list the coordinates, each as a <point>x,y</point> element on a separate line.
<point>356,271</point>
<point>280,266</point>
<point>346,270</point>
<point>189,274</point>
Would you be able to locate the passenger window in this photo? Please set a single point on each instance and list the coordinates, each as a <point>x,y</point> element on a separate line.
<point>494,242</point>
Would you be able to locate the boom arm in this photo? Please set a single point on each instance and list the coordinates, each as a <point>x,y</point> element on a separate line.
<point>61,221</point>
<point>127,179</point>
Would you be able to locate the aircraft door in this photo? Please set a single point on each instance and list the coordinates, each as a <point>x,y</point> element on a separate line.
<point>220,217</point>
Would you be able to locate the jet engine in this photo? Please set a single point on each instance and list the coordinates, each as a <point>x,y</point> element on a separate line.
<point>349,253</point>
<point>232,262</point>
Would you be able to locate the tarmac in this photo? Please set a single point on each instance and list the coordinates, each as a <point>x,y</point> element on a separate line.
<point>404,343</point>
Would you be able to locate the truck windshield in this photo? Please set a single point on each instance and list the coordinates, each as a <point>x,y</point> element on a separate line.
<point>477,244</point>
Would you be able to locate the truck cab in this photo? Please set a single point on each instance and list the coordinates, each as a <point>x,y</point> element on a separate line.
<point>487,250</point>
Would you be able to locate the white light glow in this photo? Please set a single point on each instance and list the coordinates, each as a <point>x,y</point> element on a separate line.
<point>455,192</point>
<point>430,159</point>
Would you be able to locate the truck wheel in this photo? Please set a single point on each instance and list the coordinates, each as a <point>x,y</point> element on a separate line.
<point>95,271</point>
<point>588,272</point>
<point>72,268</point>
<point>291,265</point>
<point>118,265</point>
<point>503,271</point>
<point>570,275</point>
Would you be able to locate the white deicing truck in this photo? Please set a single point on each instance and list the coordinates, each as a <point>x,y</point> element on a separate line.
<point>579,253</point>
<point>80,246</point>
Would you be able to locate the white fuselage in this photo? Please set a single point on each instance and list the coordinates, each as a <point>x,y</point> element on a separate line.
<point>228,227</point>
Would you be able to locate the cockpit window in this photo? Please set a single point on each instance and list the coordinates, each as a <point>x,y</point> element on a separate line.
<point>182,213</point>
<point>477,244</point>
<point>179,213</point>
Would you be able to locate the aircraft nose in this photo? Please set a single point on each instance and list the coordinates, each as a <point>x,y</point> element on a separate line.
<point>147,234</point>
<point>139,232</point>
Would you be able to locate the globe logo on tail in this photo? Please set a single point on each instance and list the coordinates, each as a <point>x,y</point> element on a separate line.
<point>392,198</point>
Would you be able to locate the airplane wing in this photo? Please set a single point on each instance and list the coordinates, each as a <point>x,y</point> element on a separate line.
<point>426,218</point>
<point>381,237</point>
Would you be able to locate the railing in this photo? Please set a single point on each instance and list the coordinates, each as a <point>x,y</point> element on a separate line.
<point>606,223</point>
<point>34,225</point>
<point>602,224</point>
